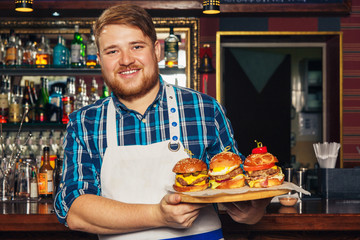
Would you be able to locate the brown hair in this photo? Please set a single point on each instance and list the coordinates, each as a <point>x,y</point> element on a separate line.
<point>127,14</point>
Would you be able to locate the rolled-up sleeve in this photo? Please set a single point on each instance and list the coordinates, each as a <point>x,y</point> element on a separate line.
<point>81,169</point>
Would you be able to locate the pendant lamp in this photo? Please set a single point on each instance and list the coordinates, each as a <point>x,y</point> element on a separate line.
<point>24,5</point>
<point>211,6</point>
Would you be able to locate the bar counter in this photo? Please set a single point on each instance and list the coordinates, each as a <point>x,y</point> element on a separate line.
<point>314,218</point>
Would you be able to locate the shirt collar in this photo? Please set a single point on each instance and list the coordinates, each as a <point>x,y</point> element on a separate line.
<point>160,99</point>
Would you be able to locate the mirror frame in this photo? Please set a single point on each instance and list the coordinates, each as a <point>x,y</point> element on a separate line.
<point>220,35</point>
<point>190,26</point>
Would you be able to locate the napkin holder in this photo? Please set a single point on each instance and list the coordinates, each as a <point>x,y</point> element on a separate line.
<point>339,183</point>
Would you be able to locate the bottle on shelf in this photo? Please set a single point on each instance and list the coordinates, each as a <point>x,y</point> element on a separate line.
<point>77,49</point>
<point>81,98</point>
<point>43,101</point>
<point>60,54</point>
<point>57,173</point>
<point>45,178</point>
<point>2,51</point>
<point>91,54</point>
<point>33,92</point>
<point>34,185</point>
<point>11,50</point>
<point>105,91</point>
<point>4,102</point>
<point>15,106</point>
<point>19,50</point>
<point>66,110</point>
<point>42,53</point>
<point>171,50</point>
<point>55,105</point>
<point>27,103</point>
<point>28,54</point>
<point>94,95</point>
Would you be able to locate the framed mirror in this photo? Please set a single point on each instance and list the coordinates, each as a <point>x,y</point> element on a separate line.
<point>287,90</point>
<point>185,28</point>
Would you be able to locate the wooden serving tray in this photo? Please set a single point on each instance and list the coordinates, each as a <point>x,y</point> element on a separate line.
<point>223,197</point>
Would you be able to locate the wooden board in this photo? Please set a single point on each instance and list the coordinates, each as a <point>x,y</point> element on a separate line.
<point>219,198</point>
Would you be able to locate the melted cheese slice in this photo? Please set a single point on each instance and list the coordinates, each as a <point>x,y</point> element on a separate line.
<point>190,179</point>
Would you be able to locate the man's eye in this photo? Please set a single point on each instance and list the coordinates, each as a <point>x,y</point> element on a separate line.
<point>138,47</point>
<point>111,52</point>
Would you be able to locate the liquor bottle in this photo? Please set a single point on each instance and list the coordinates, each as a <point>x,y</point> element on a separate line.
<point>19,51</point>
<point>60,54</point>
<point>15,106</point>
<point>66,110</point>
<point>46,183</point>
<point>33,92</point>
<point>43,101</point>
<point>10,50</point>
<point>27,103</point>
<point>105,91</point>
<point>55,105</point>
<point>4,103</point>
<point>33,185</point>
<point>91,55</point>
<point>81,98</point>
<point>171,49</point>
<point>2,51</point>
<point>77,49</point>
<point>42,54</point>
<point>94,96</point>
<point>57,173</point>
<point>28,54</point>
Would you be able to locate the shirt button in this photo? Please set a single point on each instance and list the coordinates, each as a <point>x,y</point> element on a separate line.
<point>144,120</point>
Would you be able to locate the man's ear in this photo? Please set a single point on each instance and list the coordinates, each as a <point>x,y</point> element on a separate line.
<point>157,49</point>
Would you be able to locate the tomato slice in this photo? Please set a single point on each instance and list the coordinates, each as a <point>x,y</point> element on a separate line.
<point>258,167</point>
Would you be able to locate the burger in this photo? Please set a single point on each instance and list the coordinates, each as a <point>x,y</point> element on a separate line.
<point>191,175</point>
<point>225,171</point>
<point>261,169</point>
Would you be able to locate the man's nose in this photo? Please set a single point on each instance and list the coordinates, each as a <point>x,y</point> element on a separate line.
<point>126,58</point>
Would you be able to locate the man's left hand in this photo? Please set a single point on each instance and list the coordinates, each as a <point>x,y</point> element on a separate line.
<point>249,212</point>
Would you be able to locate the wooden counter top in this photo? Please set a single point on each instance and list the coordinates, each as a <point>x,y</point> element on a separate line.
<point>308,215</point>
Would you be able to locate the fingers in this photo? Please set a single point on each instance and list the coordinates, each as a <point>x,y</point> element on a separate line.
<point>177,214</point>
<point>249,212</point>
<point>173,199</point>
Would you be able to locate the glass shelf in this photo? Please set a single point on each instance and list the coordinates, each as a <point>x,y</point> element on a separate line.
<point>51,71</point>
<point>33,127</point>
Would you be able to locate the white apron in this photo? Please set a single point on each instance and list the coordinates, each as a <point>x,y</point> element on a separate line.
<point>122,162</point>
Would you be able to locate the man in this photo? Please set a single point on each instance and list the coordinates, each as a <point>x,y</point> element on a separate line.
<point>119,152</point>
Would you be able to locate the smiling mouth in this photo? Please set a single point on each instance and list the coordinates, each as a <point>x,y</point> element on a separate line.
<point>129,71</point>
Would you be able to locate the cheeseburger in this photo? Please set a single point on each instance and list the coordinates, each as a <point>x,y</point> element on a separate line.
<point>225,171</point>
<point>191,175</point>
<point>261,171</point>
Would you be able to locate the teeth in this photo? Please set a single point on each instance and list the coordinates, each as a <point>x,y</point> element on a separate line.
<point>129,72</point>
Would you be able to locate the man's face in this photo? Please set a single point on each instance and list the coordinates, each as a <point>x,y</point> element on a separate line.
<point>129,61</point>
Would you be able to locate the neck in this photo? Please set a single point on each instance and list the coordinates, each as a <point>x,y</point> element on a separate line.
<point>141,104</point>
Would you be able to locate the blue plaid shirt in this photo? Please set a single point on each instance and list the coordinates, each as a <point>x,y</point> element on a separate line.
<point>205,131</point>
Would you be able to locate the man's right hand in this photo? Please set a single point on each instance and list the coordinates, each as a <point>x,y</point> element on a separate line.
<point>176,214</point>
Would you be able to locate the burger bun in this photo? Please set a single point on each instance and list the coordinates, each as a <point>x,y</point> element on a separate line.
<point>189,165</point>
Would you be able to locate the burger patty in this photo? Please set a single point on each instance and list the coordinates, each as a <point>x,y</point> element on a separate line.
<point>263,173</point>
<point>229,175</point>
<point>184,183</point>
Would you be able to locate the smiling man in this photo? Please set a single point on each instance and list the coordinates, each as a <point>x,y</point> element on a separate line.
<point>120,151</point>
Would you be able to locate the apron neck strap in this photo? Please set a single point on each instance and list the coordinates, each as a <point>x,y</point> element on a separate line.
<point>174,122</point>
